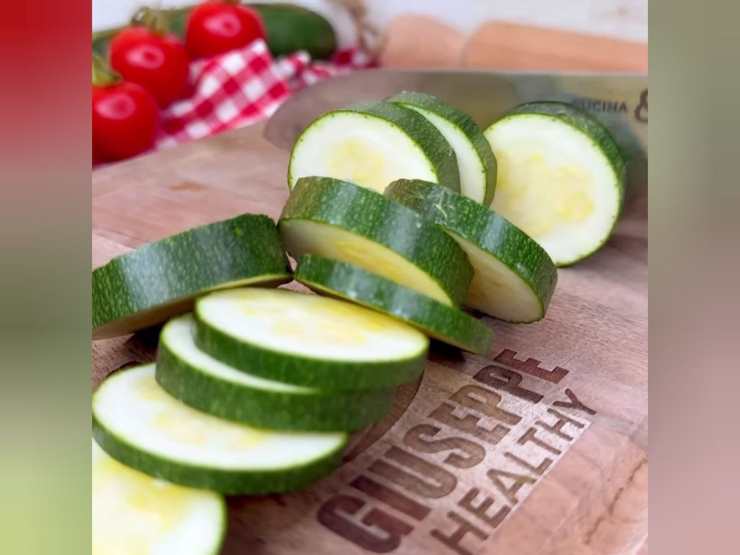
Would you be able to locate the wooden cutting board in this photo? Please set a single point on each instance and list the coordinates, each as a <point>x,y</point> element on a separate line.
<point>537,447</point>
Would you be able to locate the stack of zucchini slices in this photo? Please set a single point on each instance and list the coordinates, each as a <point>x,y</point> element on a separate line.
<point>255,389</point>
<point>548,168</point>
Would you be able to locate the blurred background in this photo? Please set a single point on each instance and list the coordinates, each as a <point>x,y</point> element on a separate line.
<point>530,34</point>
<point>306,41</point>
<point>625,19</point>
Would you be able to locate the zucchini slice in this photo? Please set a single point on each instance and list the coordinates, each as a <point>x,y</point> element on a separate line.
<point>475,160</point>
<point>308,340</point>
<point>137,423</point>
<point>135,513</point>
<point>340,220</point>
<point>514,277</point>
<point>352,283</point>
<point>206,384</point>
<point>371,145</point>
<point>560,177</point>
<point>147,286</point>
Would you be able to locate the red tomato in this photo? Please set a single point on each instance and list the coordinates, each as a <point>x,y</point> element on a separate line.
<point>124,121</point>
<point>159,63</point>
<point>219,26</point>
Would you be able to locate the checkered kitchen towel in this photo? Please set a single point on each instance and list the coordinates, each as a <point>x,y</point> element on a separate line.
<point>243,86</point>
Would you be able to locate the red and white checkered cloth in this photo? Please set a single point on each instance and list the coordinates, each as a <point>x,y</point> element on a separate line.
<point>244,86</point>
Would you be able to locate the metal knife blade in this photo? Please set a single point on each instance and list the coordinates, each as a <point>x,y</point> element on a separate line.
<point>617,100</point>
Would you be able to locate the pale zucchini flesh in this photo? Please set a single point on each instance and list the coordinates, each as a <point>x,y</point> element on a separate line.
<point>372,145</point>
<point>305,236</point>
<point>136,422</point>
<point>347,281</point>
<point>559,182</point>
<point>308,340</point>
<point>135,514</point>
<point>475,160</point>
<point>498,290</point>
<point>207,384</point>
<point>358,148</point>
<point>514,278</point>
<point>344,221</point>
<point>472,171</point>
<point>309,326</point>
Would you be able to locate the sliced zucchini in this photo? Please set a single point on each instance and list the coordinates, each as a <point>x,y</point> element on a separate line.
<point>206,384</point>
<point>352,283</point>
<point>340,220</point>
<point>133,513</point>
<point>147,286</point>
<point>371,145</point>
<point>308,340</point>
<point>560,177</point>
<point>514,277</point>
<point>137,423</point>
<point>475,160</point>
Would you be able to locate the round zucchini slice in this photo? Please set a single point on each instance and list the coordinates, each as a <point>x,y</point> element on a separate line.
<point>514,277</point>
<point>371,145</point>
<point>149,285</point>
<point>140,425</point>
<point>340,220</point>
<point>308,340</point>
<point>560,177</point>
<point>206,384</point>
<point>475,160</point>
<point>435,319</point>
<point>135,513</point>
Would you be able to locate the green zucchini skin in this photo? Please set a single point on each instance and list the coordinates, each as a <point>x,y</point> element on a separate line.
<point>596,133</point>
<point>328,375</point>
<point>307,410</point>
<point>481,226</point>
<point>349,282</point>
<point>156,281</point>
<point>231,482</point>
<point>377,218</point>
<point>465,123</point>
<point>289,29</point>
<point>292,28</point>
<point>427,137</point>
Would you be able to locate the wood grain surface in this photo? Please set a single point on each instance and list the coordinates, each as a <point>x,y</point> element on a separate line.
<point>538,447</point>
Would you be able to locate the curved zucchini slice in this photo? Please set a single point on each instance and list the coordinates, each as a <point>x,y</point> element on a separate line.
<point>371,145</point>
<point>135,513</point>
<point>149,285</point>
<point>137,423</point>
<point>514,277</point>
<point>475,160</point>
<point>340,220</point>
<point>308,340</point>
<point>206,384</point>
<point>352,283</point>
<point>560,177</point>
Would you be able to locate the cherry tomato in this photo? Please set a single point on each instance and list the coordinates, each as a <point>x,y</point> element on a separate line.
<point>218,26</point>
<point>157,62</point>
<point>124,120</point>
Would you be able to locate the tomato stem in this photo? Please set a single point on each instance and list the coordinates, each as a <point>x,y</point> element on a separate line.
<point>102,74</point>
<point>151,18</point>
